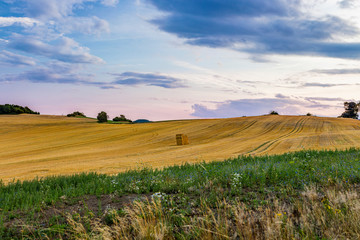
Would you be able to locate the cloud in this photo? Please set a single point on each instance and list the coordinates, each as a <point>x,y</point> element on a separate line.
<point>279,95</point>
<point>21,21</point>
<point>257,27</point>
<point>15,60</point>
<point>324,99</point>
<point>337,71</point>
<point>51,9</point>
<point>255,107</point>
<point>148,79</point>
<point>68,73</point>
<point>246,107</point>
<point>346,3</point>
<point>65,49</point>
<point>314,84</point>
<point>54,72</point>
<point>59,15</point>
<point>57,9</point>
<point>93,25</point>
<point>111,3</point>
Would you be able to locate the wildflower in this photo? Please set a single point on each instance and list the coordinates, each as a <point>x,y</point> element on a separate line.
<point>158,196</point>
<point>236,180</point>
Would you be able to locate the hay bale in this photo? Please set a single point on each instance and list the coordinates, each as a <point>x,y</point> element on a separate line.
<point>182,139</point>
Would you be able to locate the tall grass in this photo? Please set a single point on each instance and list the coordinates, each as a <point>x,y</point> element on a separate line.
<point>334,215</point>
<point>217,200</point>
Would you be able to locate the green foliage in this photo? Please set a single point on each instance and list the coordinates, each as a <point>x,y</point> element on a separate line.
<point>274,113</point>
<point>76,114</point>
<point>351,110</point>
<point>15,109</point>
<point>121,118</point>
<point>102,117</point>
<point>249,179</point>
<point>309,114</point>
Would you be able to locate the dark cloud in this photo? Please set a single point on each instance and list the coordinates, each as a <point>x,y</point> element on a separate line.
<point>148,79</point>
<point>220,8</point>
<point>54,72</point>
<point>15,60</point>
<point>64,49</point>
<point>257,27</point>
<point>337,71</point>
<point>60,72</point>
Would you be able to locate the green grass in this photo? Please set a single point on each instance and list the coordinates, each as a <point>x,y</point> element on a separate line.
<point>250,180</point>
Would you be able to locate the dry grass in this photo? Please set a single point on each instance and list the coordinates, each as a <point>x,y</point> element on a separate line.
<point>32,145</point>
<point>333,214</point>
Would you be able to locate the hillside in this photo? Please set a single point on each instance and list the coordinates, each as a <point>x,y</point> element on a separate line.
<point>32,145</point>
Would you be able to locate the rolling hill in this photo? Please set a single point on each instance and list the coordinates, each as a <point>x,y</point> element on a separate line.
<point>33,145</point>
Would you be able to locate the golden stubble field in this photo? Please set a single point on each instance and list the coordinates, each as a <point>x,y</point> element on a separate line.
<point>33,145</point>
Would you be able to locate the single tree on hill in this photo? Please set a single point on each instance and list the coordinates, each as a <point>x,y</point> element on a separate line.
<point>351,110</point>
<point>274,113</point>
<point>102,117</point>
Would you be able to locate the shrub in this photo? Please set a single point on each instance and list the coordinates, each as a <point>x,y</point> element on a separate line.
<point>274,113</point>
<point>76,114</point>
<point>122,118</point>
<point>102,116</point>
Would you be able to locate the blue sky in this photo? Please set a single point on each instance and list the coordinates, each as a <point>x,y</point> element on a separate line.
<point>176,59</point>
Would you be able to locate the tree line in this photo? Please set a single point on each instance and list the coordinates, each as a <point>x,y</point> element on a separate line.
<point>15,109</point>
<point>102,117</point>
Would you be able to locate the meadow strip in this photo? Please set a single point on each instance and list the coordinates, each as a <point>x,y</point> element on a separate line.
<point>192,192</point>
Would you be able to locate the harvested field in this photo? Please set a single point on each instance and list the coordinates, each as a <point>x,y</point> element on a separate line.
<point>33,145</point>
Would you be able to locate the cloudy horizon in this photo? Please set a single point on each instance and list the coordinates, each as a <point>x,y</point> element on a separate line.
<point>161,59</point>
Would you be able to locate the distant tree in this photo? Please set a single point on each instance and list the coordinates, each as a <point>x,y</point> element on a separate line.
<point>351,110</point>
<point>102,117</point>
<point>274,113</point>
<point>122,118</point>
<point>76,114</point>
<point>15,109</point>
<point>308,114</point>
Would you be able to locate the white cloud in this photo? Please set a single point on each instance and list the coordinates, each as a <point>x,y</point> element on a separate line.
<point>111,3</point>
<point>64,49</point>
<point>12,59</point>
<point>22,21</point>
<point>93,25</point>
<point>52,9</point>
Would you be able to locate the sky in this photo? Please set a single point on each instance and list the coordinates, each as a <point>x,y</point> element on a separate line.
<point>180,59</point>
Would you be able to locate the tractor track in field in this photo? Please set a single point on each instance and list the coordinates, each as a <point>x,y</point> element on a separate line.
<point>266,145</point>
<point>243,128</point>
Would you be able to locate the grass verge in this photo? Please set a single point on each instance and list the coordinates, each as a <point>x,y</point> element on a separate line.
<point>302,195</point>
